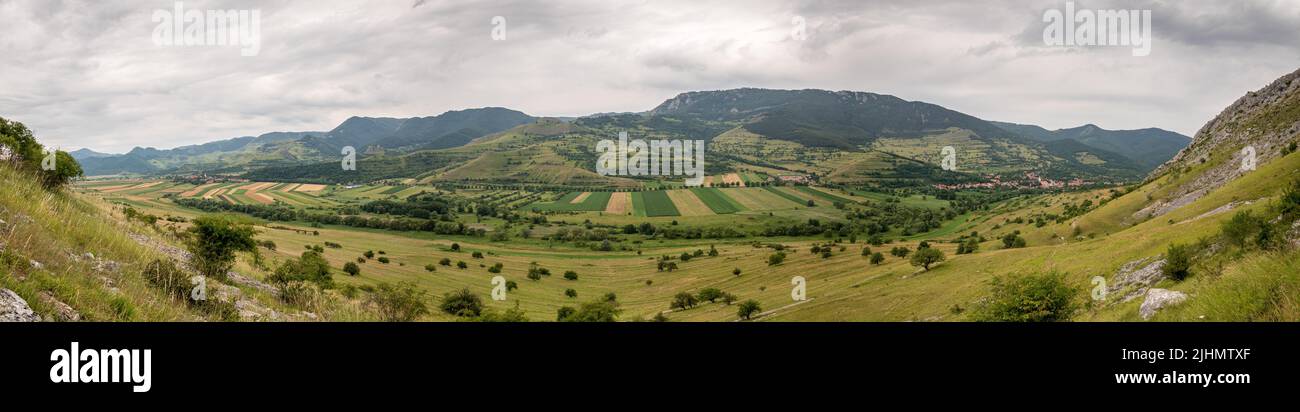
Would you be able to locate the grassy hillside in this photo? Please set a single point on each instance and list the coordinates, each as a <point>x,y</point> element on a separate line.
<point>46,238</point>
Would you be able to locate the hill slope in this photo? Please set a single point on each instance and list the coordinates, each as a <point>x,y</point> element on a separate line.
<point>1148,148</point>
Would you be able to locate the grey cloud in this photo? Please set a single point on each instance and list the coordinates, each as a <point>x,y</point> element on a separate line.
<point>86,74</point>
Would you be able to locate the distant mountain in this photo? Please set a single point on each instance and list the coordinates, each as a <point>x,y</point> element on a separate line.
<point>117,164</point>
<point>841,119</point>
<point>452,129</point>
<point>211,156</point>
<point>1148,148</point>
<point>87,154</point>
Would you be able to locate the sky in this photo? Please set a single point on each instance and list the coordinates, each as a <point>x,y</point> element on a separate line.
<point>94,74</point>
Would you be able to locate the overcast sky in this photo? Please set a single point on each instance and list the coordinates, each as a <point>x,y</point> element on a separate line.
<point>89,74</point>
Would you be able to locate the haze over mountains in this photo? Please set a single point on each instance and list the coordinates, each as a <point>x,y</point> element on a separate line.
<point>849,122</point>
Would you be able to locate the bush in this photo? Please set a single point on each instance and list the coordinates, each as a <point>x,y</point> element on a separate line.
<point>776,259</point>
<point>1238,229</point>
<point>496,268</point>
<point>570,275</point>
<point>710,294</point>
<point>598,311</point>
<point>462,303</point>
<point>512,315</point>
<point>351,269</point>
<point>477,255</point>
<point>444,262</point>
<point>1288,205</point>
<point>683,301</point>
<point>1178,262</point>
<point>298,294</point>
<point>1013,240</point>
<point>403,302</point>
<point>564,313</point>
<point>748,309</point>
<point>383,259</point>
<point>877,258</point>
<point>430,268</point>
<point>461,264</point>
<point>1033,298</point>
<point>213,242</point>
<point>310,267</point>
<point>570,293</point>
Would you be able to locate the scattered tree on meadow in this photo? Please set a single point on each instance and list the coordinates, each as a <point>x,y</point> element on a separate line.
<point>926,257</point>
<point>748,309</point>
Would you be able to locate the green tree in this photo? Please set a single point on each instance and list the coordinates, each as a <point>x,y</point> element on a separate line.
<point>927,256</point>
<point>683,301</point>
<point>351,268</point>
<point>748,309</point>
<point>710,294</point>
<point>213,242</point>
<point>877,258</point>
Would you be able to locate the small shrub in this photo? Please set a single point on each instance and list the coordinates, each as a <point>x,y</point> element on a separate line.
<point>403,302</point>
<point>1034,298</point>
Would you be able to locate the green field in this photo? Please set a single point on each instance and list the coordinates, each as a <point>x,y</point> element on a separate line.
<point>824,195</point>
<point>594,202</point>
<point>655,203</point>
<point>716,200</point>
<point>784,194</point>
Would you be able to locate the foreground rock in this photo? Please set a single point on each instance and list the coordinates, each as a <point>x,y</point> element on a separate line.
<point>14,309</point>
<point>62,312</point>
<point>1159,299</point>
<point>1135,278</point>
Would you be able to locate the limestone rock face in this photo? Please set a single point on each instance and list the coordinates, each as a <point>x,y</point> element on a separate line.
<point>14,309</point>
<point>1257,120</point>
<point>1135,278</point>
<point>1159,299</point>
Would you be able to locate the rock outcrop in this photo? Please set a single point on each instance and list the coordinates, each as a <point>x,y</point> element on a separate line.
<point>1159,299</point>
<point>14,309</point>
<point>1264,120</point>
<point>1134,279</point>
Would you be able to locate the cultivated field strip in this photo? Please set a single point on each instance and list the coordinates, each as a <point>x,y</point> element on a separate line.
<point>620,203</point>
<point>718,202</point>
<point>656,203</point>
<point>756,198</point>
<point>688,204</point>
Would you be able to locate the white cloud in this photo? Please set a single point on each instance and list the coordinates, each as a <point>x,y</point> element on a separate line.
<point>87,74</point>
